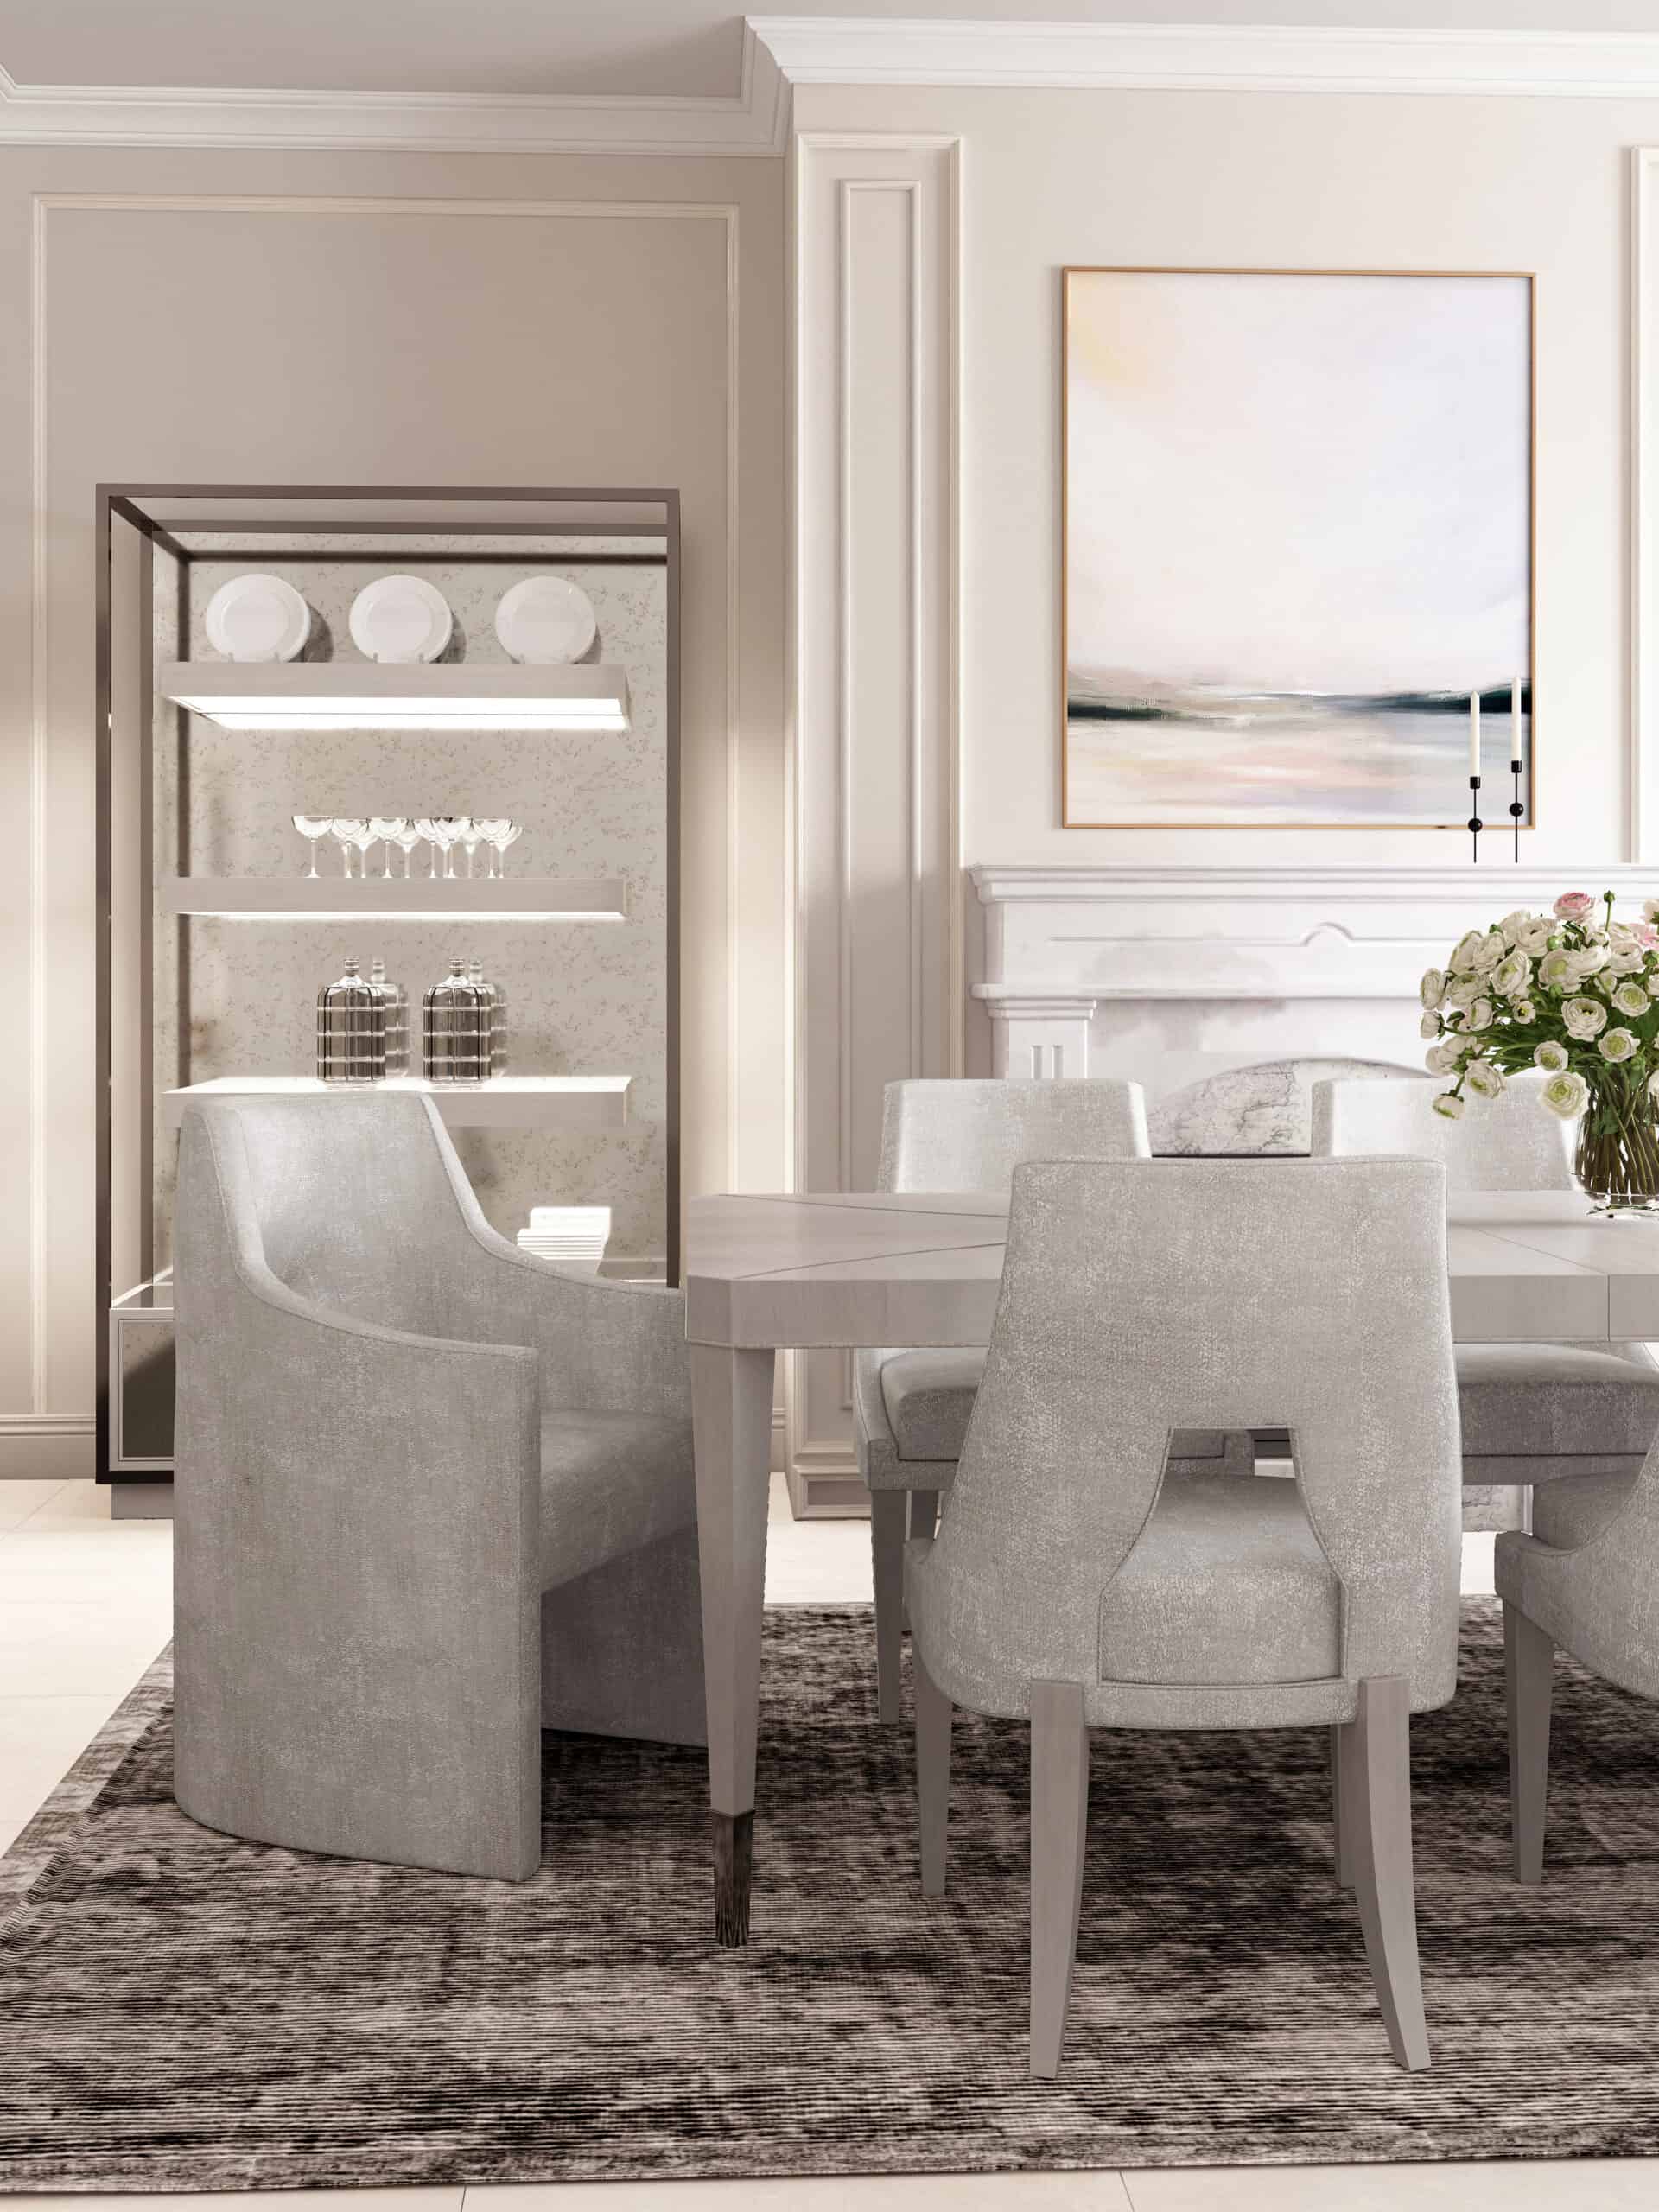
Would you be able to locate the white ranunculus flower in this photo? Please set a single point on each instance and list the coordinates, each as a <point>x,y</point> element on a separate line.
<point>1449,1104</point>
<point>1628,960</point>
<point>1430,1025</point>
<point>1566,1095</point>
<point>1484,1080</point>
<point>1525,1010</point>
<point>1432,989</point>
<point>1490,949</point>
<point>1463,953</point>
<point>1589,962</point>
<point>1512,925</point>
<point>1443,1059</point>
<point>1536,935</point>
<point>1555,969</point>
<point>1481,1015</point>
<point>1583,1018</point>
<point>1618,1045</point>
<point>1631,999</point>
<point>1512,975</point>
<point>1650,910</point>
<point>1550,1055</point>
<point>1462,992</point>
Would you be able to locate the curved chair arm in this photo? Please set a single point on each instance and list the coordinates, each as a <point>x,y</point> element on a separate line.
<point>359,1590</point>
<point>1599,1599</point>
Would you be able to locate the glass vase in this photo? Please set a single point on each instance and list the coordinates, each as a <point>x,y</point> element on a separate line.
<point>1616,1163</point>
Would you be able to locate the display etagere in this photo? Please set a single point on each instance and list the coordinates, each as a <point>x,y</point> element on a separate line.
<point>218,927</point>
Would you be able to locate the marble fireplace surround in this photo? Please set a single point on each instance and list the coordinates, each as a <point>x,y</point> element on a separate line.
<point>1168,974</point>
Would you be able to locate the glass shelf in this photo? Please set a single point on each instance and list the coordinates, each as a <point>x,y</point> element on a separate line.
<point>340,898</point>
<point>505,1102</point>
<point>372,695</point>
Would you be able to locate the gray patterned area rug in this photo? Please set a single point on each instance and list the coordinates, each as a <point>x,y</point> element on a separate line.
<point>184,2011</point>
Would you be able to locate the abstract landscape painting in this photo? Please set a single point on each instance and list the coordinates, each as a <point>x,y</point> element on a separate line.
<point>1298,537</point>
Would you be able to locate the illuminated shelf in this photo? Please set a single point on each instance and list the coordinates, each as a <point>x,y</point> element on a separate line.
<point>421,899</point>
<point>506,1102</point>
<point>372,695</point>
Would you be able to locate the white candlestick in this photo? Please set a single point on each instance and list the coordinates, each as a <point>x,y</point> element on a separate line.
<point>1474,732</point>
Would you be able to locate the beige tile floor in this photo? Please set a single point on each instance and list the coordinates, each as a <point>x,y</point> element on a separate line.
<point>85,1605</point>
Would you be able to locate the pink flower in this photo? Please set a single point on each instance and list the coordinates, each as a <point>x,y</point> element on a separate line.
<point>1645,935</point>
<point>1575,906</point>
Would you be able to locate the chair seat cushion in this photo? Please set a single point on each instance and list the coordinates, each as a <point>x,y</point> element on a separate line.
<point>1226,1584</point>
<point>1542,1401</point>
<point>929,1396</point>
<point>611,1484</point>
<point>1569,1512</point>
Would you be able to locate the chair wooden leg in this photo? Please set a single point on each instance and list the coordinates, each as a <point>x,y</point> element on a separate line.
<point>889,1515</point>
<point>924,1521</point>
<point>1378,1775</point>
<point>1059,1824</point>
<point>934,1712</point>
<point>1528,1679</point>
<point>1341,1827</point>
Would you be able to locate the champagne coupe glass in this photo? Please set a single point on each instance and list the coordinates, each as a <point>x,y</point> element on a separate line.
<point>347,828</point>
<point>312,826</point>
<point>387,829</point>
<point>448,828</point>
<point>364,837</point>
<point>489,828</point>
<point>407,835</point>
<point>429,829</point>
<point>471,834</point>
<point>507,833</point>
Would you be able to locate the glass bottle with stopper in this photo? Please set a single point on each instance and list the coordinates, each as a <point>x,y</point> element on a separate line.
<point>455,1030</point>
<point>395,999</point>
<point>351,1030</point>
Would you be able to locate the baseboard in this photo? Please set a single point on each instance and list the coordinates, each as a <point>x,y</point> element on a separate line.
<point>47,1448</point>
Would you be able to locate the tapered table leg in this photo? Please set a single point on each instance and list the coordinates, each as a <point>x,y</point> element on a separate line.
<point>731,1407</point>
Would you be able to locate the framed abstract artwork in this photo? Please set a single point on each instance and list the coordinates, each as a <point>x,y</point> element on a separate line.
<point>1298,548</point>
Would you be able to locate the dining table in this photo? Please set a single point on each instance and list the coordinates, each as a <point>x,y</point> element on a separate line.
<point>800,1271</point>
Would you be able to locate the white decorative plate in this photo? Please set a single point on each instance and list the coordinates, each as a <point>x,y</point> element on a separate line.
<point>546,618</point>
<point>257,617</point>
<point>401,619</point>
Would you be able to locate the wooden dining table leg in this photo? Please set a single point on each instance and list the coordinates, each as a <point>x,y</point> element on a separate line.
<point>731,1410</point>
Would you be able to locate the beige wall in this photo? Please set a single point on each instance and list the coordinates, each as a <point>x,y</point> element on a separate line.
<point>213,317</point>
<point>1295,180</point>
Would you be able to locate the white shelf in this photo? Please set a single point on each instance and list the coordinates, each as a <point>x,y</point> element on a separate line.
<point>506,1102</point>
<point>372,695</point>
<point>337,899</point>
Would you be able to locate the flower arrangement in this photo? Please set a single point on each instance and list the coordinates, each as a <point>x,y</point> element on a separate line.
<point>1577,994</point>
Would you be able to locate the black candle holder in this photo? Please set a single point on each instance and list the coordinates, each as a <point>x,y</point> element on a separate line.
<point>1517,809</point>
<point>1475,823</point>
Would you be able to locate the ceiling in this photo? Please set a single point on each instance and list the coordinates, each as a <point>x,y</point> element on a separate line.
<point>680,49</point>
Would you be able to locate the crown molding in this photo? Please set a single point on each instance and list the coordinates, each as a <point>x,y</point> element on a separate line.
<point>1206,57</point>
<point>753,120</point>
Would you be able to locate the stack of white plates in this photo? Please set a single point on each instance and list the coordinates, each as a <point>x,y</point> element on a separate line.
<point>572,1236</point>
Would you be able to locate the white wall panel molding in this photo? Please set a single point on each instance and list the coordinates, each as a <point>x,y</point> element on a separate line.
<point>752,120</point>
<point>1644,505</point>
<point>57,1077</point>
<point>878,935</point>
<point>1208,57</point>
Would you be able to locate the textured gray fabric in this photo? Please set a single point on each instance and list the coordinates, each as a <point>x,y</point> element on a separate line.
<point>364,1371</point>
<point>1509,1143</point>
<point>1226,1584</point>
<point>610,1483</point>
<point>1598,1597</point>
<point>1524,1401</point>
<point>960,1136</point>
<point>1137,1296</point>
<point>927,1398</point>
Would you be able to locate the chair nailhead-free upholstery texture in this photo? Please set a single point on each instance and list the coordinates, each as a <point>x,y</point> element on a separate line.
<point>1074,1582</point>
<point>432,1494</point>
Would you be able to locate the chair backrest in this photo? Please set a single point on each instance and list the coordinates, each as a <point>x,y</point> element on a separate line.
<point>1512,1142</point>
<point>1142,1297</point>
<point>1260,1109</point>
<point>970,1136</point>
<point>350,1202</point>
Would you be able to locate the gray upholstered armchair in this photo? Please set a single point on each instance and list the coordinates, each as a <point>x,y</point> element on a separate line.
<point>432,1495</point>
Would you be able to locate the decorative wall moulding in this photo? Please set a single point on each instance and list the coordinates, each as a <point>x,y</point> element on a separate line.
<point>1204,57</point>
<point>752,120</point>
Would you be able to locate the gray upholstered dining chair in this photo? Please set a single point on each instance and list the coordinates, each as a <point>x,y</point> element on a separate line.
<point>1585,1578</point>
<point>1531,1412</point>
<point>1073,1583</point>
<point>911,1409</point>
<point>432,1495</point>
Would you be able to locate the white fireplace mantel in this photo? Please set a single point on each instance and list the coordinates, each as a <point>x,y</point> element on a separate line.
<point>1163,972</point>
